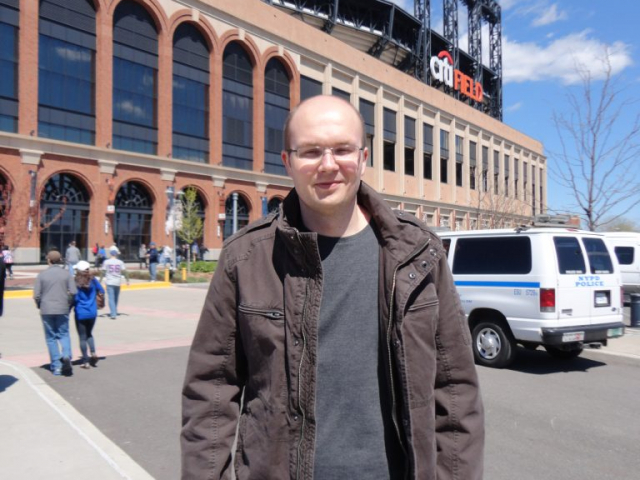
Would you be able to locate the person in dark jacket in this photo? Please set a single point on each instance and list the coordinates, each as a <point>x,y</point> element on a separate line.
<point>2,279</point>
<point>53,293</point>
<point>86,311</point>
<point>332,339</point>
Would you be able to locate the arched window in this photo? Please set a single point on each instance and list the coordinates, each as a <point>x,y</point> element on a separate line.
<point>190,95</point>
<point>66,70</point>
<point>64,215</point>
<point>9,23</point>
<point>237,108</point>
<point>135,79</point>
<point>276,109</point>
<point>274,204</point>
<point>134,212</point>
<point>235,207</point>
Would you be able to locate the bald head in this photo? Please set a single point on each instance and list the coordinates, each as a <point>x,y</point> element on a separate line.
<point>321,103</point>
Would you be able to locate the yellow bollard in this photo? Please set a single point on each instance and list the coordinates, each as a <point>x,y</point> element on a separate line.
<point>184,274</point>
<point>166,274</point>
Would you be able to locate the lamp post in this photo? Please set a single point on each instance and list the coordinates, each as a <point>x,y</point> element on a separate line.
<point>170,192</point>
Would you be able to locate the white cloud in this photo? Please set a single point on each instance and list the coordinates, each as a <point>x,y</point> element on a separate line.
<point>547,16</point>
<point>513,108</point>
<point>560,59</point>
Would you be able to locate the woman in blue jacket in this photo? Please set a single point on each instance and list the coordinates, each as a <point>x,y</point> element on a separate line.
<point>86,310</point>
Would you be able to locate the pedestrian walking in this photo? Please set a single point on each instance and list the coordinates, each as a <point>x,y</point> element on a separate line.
<point>142,255</point>
<point>7,255</point>
<point>114,269</point>
<point>102,256</point>
<point>2,279</point>
<point>153,256</point>
<point>53,293</point>
<point>72,256</point>
<point>195,251</point>
<point>86,311</point>
<point>332,339</point>
<point>167,253</point>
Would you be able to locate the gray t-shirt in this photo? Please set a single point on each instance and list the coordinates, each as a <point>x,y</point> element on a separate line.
<point>350,441</point>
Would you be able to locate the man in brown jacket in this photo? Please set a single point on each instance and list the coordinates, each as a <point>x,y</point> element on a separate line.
<point>332,339</point>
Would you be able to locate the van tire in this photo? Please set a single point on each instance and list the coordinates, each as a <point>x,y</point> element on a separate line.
<point>493,345</point>
<point>556,352</point>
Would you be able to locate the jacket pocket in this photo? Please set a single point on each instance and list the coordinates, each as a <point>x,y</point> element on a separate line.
<point>269,313</point>
<point>423,305</point>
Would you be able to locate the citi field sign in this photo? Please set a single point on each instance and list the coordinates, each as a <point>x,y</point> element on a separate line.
<point>442,70</point>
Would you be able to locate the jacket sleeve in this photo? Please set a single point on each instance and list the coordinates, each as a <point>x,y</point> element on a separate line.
<point>213,384</point>
<point>459,409</point>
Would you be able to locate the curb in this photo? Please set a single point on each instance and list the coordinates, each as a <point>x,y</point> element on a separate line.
<point>121,463</point>
<point>134,286</point>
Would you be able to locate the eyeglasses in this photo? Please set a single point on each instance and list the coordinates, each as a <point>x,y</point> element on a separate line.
<point>340,153</point>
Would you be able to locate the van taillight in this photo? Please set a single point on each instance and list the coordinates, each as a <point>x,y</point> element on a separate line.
<point>547,299</point>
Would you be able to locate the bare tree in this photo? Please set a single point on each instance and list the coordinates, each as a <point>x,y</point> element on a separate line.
<point>496,210</point>
<point>621,224</point>
<point>598,161</point>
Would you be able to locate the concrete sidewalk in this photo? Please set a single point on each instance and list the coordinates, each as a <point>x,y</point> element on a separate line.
<point>43,436</point>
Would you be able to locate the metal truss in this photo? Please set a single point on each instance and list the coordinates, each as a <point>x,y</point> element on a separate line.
<point>398,31</point>
<point>422,11</point>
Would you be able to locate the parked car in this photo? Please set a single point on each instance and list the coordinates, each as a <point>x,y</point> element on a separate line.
<point>626,246</point>
<point>555,287</point>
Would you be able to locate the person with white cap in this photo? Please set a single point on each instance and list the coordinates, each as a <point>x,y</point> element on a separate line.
<point>53,293</point>
<point>114,269</point>
<point>86,310</point>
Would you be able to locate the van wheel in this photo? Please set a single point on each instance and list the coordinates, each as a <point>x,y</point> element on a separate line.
<point>492,345</point>
<point>556,352</point>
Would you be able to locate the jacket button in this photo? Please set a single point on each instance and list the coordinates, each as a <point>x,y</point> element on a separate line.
<point>397,343</point>
<point>295,417</point>
<point>433,252</point>
<point>424,264</point>
<point>412,275</point>
<point>296,342</point>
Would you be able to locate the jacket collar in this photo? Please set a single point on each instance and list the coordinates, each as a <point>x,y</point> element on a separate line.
<point>396,230</point>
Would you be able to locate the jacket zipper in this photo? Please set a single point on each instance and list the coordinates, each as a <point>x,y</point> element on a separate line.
<point>304,349</point>
<point>272,314</point>
<point>391,315</point>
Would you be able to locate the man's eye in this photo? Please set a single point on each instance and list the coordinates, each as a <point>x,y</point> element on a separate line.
<point>310,153</point>
<point>343,151</point>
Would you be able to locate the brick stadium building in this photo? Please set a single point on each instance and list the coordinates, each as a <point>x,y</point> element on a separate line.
<point>104,104</point>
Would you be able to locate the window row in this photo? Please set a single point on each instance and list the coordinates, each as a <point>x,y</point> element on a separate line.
<point>67,85</point>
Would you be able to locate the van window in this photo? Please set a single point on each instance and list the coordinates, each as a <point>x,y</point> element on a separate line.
<point>496,256</point>
<point>599,259</point>
<point>569,253</point>
<point>625,255</point>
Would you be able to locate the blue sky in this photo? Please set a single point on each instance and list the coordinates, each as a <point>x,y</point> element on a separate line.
<point>542,40</point>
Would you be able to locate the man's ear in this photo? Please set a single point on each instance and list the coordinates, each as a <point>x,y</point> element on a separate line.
<point>285,160</point>
<point>365,157</point>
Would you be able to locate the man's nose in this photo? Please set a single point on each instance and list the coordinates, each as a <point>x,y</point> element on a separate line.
<point>327,161</point>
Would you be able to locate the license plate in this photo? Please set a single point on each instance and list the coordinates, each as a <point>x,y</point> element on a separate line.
<point>614,332</point>
<point>573,337</point>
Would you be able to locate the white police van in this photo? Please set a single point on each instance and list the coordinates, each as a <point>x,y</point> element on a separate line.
<point>626,246</point>
<point>554,286</point>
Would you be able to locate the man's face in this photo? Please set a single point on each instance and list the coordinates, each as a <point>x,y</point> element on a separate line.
<point>325,186</point>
